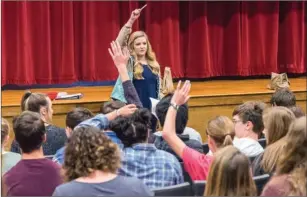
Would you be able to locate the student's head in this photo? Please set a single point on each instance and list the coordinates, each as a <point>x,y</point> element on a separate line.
<point>39,103</point>
<point>88,150</point>
<point>30,132</point>
<point>247,119</point>
<point>283,97</point>
<point>5,131</point>
<point>139,46</point>
<point>133,129</point>
<point>181,117</point>
<point>111,106</point>
<point>220,132</point>
<point>230,174</point>
<point>276,123</point>
<point>75,117</point>
<point>293,160</point>
<point>297,111</point>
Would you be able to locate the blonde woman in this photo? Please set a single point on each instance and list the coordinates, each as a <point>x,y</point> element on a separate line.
<point>230,174</point>
<point>220,131</point>
<point>276,125</point>
<point>291,170</point>
<point>143,68</point>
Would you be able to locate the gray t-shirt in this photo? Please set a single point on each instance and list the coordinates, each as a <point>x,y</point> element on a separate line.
<point>119,186</point>
<point>9,159</point>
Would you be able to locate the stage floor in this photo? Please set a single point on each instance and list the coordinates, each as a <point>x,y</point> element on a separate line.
<point>208,99</point>
<point>198,89</point>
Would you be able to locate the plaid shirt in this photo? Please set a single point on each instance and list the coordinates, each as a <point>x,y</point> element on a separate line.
<point>156,168</point>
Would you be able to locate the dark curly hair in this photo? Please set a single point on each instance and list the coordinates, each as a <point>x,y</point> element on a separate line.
<point>133,129</point>
<point>88,150</point>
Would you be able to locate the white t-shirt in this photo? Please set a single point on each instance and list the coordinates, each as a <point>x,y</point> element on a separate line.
<point>248,146</point>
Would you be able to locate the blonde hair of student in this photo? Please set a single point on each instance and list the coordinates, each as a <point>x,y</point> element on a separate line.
<point>150,56</point>
<point>221,130</point>
<point>230,174</point>
<point>293,160</point>
<point>277,121</point>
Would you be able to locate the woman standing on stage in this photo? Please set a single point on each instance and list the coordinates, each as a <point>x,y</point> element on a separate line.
<point>143,68</point>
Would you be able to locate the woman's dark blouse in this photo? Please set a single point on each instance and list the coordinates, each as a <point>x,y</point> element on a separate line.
<point>147,87</point>
<point>56,138</point>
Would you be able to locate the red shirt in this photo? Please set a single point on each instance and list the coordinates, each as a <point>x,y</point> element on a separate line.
<point>196,164</point>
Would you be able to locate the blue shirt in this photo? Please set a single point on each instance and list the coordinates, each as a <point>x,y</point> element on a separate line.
<point>99,121</point>
<point>156,168</point>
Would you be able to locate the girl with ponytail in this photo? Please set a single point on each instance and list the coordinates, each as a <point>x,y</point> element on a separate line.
<point>220,131</point>
<point>41,104</point>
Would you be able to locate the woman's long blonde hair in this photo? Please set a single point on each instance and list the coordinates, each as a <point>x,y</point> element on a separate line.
<point>230,174</point>
<point>293,160</point>
<point>150,56</point>
<point>277,121</point>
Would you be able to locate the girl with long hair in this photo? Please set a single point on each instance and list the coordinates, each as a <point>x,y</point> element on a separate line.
<point>143,67</point>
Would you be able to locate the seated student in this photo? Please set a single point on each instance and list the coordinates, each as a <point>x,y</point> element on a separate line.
<point>109,107</point>
<point>283,97</point>
<point>91,164</point>
<point>230,174</point>
<point>156,168</point>
<point>276,126</point>
<point>181,123</point>
<point>290,176</point>
<point>248,123</point>
<point>9,159</point>
<point>162,109</point>
<point>34,175</point>
<point>41,103</point>
<point>220,132</point>
<point>73,118</point>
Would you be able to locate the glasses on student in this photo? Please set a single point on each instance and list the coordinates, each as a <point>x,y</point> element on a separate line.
<point>236,121</point>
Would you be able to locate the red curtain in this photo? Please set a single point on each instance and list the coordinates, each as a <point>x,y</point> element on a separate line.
<point>64,42</point>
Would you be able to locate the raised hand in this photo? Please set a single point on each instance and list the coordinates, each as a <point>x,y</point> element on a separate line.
<point>120,57</point>
<point>127,110</point>
<point>181,94</point>
<point>136,13</point>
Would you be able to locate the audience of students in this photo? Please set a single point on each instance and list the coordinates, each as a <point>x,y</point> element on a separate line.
<point>41,103</point>
<point>34,175</point>
<point>9,159</point>
<point>91,164</point>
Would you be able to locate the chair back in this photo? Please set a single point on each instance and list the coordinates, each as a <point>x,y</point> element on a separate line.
<point>205,148</point>
<point>262,142</point>
<point>260,182</point>
<point>49,156</point>
<point>182,189</point>
<point>199,188</point>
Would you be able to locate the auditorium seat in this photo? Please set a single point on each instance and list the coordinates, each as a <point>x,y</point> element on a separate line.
<point>199,188</point>
<point>262,142</point>
<point>260,182</point>
<point>205,148</point>
<point>183,189</point>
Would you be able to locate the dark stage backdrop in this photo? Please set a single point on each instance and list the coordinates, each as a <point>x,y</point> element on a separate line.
<point>64,42</point>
